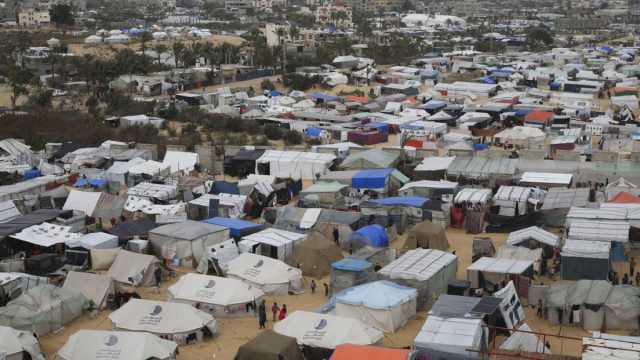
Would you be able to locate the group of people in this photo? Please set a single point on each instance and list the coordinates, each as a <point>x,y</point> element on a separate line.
<point>279,313</point>
<point>626,278</point>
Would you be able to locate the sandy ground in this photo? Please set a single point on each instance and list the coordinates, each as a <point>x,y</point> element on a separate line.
<point>235,332</point>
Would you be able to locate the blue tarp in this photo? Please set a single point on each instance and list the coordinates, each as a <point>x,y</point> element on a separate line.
<point>522,112</point>
<point>274,93</point>
<point>414,201</point>
<point>606,49</point>
<point>501,73</point>
<point>487,80</point>
<point>237,228</point>
<point>33,173</point>
<point>370,178</point>
<point>374,235</point>
<point>382,127</point>
<point>93,182</point>
<point>81,183</point>
<point>312,131</point>
<point>224,187</point>
<point>350,264</point>
<point>323,97</point>
<point>479,147</point>
<point>554,85</point>
<point>380,294</point>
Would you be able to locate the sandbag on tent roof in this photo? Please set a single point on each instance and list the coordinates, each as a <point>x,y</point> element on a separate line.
<point>116,345</point>
<point>370,159</point>
<point>220,296</point>
<point>43,309</point>
<point>133,269</point>
<point>326,331</point>
<point>97,240</point>
<point>269,345</point>
<point>186,240</point>
<point>93,286</point>
<point>373,235</point>
<point>237,228</point>
<point>315,255</point>
<point>383,304</point>
<point>427,235</point>
<point>272,276</point>
<point>15,343</point>
<point>351,352</point>
<point>161,318</point>
<point>533,233</point>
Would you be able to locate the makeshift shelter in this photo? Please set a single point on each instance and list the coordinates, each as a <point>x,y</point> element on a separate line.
<point>221,297</point>
<point>315,255</point>
<point>433,168</point>
<point>19,345</point>
<point>533,237</point>
<point>427,270</point>
<point>439,190</point>
<point>523,340</point>
<point>579,303</point>
<point>398,210</point>
<point>622,308</point>
<point>351,351</point>
<point>545,180</point>
<point>293,164</point>
<point>116,345</point>
<point>242,163</point>
<point>180,161</point>
<point>118,173</point>
<point>482,168</point>
<point>272,276</point>
<point>599,230</point>
<point>129,229</point>
<point>383,304</point>
<point>95,204</point>
<point>93,286</point>
<point>46,235</point>
<point>350,272</point>
<point>521,253</point>
<point>385,181</point>
<point>489,272</point>
<point>271,242</point>
<point>482,247</point>
<point>43,309</point>
<point>427,235</point>
<point>97,240</point>
<point>370,159</point>
<point>181,323</point>
<point>582,259</point>
<point>269,345</point>
<point>373,235</point>
<point>186,241</point>
<point>237,228</point>
<point>324,194</point>
<point>558,201</point>
<point>451,338</point>
<point>319,334</point>
<point>222,204</point>
<point>135,269</point>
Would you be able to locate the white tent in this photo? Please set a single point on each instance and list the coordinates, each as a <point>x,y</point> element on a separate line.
<point>222,297</point>
<point>118,172</point>
<point>8,211</point>
<point>152,191</point>
<point>174,320</point>
<point>14,283</point>
<point>295,164</point>
<point>186,240</point>
<point>116,345</point>
<point>180,161</point>
<point>46,234</point>
<point>382,304</point>
<point>97,240</point>
<point>15,343</point>
<point>271,242</point>
<point>526,341</point>
<point>326,331</point>
<point>229,205</point>
<point>445,338</point>
<point>150,168</point>
<point>93,286</point>
<point>273,277</point>
<point>133,269</point>
<point>489,271</point>
<point>524,236</point>
<point>85,201</point>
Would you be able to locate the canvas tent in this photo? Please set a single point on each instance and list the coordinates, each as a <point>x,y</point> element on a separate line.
<point>533,237</point>
<point>269,345</point>
<point>582,259</point>
<point>93,286</point>
<point>427,235</point>
<point>319,334</point>
<point>293,164</point>
<point>116,345</point>
<point>272,276</point>
<point>174,321</point>
<point>350,272</point>
<point>271,242</point>
<point>383,304</point>
<point>43,309</point>
<point>427,270</point>
<point>95,204</point>
<point>14,344</point>
<point>315,255</point>
<point>622,308</point>
<point>186,241</point>
<point>488,272</point>
<point>584,298</point>
<point>450,338</point>
<point>135,269</point>
<point>221,297</point>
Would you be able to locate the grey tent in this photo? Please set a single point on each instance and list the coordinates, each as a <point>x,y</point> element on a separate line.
<point>269,345</point>
<point>427,235</point>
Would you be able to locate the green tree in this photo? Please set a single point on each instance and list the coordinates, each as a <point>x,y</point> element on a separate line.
<point>62,15</point>
<point>292,137</point>
<point>159,49</point>
<point>19,79</point>
<point>538,38</point>
<point>145,38</point>
<point>177,50</point>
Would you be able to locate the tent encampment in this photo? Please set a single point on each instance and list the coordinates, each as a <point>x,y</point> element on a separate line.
<point>93,286</point>
<point>181,323</point>
<point>372,235</point>
<point>383,304</point>
<point>315,255</point>
<point>222,297</point>
<point>116,345</point>
<point>269,345</point>
<point>187,240</point>
<point>427,235</point>
<point>17,344</point>
<point>293,164</point>
<point>135,269</point>
<point>272,276</point>
<point>271,242</point>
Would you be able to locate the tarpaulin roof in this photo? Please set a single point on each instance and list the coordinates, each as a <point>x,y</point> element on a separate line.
<point>413,201</point>
<point>351,352</point>
<point>374,235</point>
<point>236,227</point>
<point>312,131</point>
<point>225,187</point>
<point>324,97</point>
<point>131,228</point>
<point>624,197</point>
<point>350,264</point>
<point>380,294</point>
<point>371,178</point>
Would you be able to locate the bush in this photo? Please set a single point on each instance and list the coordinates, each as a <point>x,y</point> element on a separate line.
<point>266,84</point>
<point>293,137</point>
<point>273,132</point>
<point>260,141</point>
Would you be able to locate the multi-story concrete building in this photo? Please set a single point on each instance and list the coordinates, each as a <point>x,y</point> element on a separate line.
<point>335,14</point>
<point>33,17</point>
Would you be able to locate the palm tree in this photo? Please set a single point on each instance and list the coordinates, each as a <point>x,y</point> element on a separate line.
<point>145,38</point>
<point>176,51</point>
<point>281,40</point>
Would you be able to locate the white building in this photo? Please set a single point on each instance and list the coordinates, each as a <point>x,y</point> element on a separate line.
<point>33,17</point>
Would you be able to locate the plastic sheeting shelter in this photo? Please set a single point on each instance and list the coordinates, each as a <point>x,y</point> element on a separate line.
<point>14,344</point>
<point>271,242</point>
<point>370,159</point>
<point>43,309</point>
<point>237,228</point>
<point>269,345</point>
<point>487,272</point>
<point>133,269</point>
<point>350,272</point>
<point>97,240</point>
<point>373,235</point>
<point>221,297</point>
<point>186,241</point>
<point>383,305</point>
<point>292,164</point>
<point>427,270</point>
<point>116,345</point>
<point>582,259</point>
<point>93,286</point>
<point>450,338</point>
<point>272,276</point>
<point>173,320</point>
<point>427,235</point>
<point>533,237</point>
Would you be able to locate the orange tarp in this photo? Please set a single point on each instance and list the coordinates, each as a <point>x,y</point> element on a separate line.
<point>360,99</point>
<point>625,198</point>
<point>362,352</point>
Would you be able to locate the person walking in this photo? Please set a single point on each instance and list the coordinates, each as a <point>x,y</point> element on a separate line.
<point>626,280</point>
<point>336,236</point>
<point>274,310</point>
<point>313,286</point>
<point>632,266</point>
<point>283,312</point>
<point>157,275</point>
<point>262,315</point>
<point>326,289</point>
<point>539,312</point>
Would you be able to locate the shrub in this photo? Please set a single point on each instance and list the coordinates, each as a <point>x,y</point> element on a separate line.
<point>293,137</point>
<point>273,132</point>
